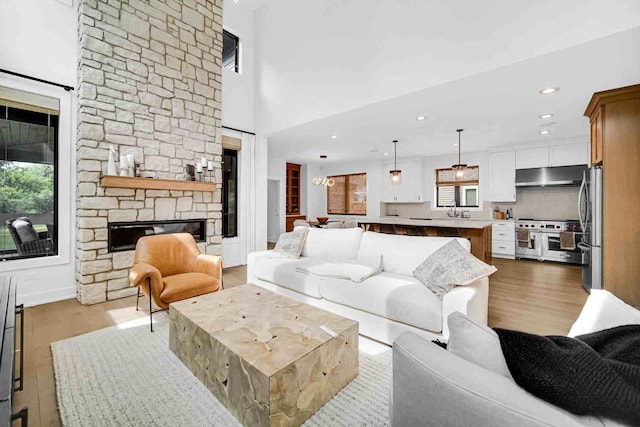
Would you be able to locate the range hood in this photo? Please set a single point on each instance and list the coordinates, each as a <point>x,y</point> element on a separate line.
<point>551,176</point>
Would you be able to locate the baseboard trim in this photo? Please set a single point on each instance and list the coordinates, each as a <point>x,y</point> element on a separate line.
<point>39,298</point>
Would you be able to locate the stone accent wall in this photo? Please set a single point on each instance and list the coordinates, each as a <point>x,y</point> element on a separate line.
<point>150,85</point>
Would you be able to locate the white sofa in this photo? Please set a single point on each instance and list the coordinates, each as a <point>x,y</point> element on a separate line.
<point>386,304</point>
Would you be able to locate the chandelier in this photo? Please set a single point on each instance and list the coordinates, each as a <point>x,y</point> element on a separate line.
<point>326,181</point>
<point>459,167</point>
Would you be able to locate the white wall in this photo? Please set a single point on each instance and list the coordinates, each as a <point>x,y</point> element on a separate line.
<point>238,88</point>
<point>277,170</point>
<point>38,38</point>
<point>317,195</point>
<point>339,55</point>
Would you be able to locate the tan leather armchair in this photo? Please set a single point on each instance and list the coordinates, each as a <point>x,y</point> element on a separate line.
<point>170,268</point>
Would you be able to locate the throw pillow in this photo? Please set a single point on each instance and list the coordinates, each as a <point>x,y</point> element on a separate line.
<point>603,310</point>
<point>449,266</point>
<point>476,343</point>
<point>25,230</point>
<point>290,244</point>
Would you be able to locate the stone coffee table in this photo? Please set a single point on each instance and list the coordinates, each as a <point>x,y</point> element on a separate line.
<point>264,356</point>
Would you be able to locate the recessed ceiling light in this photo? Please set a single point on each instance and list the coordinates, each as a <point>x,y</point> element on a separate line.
<point>334,136</point>
<point>323,156</point>
<point>420,118</point>
<point>385,154</point>
<point>545,116</point>
<point>549,90</point>
<point>545,132</point>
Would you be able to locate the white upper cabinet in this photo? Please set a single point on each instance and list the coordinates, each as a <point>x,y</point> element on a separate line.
<point>412,186</point>
<point>502,176</point>
<point>569,154</point>
<point>556,155</point>
<point>532,158</point>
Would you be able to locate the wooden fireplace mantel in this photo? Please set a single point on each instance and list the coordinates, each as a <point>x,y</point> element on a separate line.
<point>110,181</point>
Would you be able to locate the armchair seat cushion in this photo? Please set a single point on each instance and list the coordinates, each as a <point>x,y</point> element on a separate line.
<point>187,285</point>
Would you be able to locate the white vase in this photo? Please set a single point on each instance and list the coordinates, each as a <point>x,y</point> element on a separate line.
<point>111,164</point>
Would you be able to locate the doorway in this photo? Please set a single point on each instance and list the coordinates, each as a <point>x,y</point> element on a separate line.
<point>273,210</point>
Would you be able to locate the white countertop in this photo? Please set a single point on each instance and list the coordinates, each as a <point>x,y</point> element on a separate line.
<point>450,223</point>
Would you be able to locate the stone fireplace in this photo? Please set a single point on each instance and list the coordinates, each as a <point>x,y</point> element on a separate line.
<point>149,85</point>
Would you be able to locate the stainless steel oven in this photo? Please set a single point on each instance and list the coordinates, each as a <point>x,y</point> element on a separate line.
<point>544,241</point>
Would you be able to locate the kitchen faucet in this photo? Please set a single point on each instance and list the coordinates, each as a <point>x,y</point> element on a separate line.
<point>453,213</point>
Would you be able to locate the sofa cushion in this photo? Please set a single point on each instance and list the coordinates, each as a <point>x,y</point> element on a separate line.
<point>478,344</point>
<point>402,254</point>
<point>290,244</point>
<point>603,310</point>
<point>451,266</point>
<point>187,285</point>
<point>336,244</point>
<point>282,271</point>
<point>396,297</point>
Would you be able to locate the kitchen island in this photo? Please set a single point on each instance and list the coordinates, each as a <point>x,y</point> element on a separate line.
<point>478,232</point>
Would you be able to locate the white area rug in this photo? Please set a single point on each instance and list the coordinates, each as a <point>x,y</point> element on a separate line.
<point>127,376</point>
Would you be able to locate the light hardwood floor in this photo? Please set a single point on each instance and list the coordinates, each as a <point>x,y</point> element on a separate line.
<point>528,296</point>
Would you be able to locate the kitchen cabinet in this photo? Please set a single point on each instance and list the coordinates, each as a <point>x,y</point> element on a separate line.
<point>596,137</point>
<point>615,132</point>
<point>293,188</point>
<point>532,158</point>
<point>410,190</point>
<point>503,239</point>
<point>502,176</point>
<point>568,155</point>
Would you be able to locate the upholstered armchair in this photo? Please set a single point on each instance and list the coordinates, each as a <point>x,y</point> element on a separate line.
<point>170,267</point>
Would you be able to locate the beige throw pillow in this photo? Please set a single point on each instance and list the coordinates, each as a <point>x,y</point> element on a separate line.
<point>476,343</point>
<point>291,244</point>
<point>451,266</point>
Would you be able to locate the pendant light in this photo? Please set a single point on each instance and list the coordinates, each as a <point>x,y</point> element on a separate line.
<point>396,174</point>
<point>460,167</point>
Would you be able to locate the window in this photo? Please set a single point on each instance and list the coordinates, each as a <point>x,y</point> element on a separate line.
<point>230,50</point>
<point>348,196</point>
<point>28,175</point>
<point>229,193</point>
<point>461,192</point>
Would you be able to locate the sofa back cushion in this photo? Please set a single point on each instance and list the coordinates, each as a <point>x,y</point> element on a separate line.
<point>402,254</point>
<point>332,244</point>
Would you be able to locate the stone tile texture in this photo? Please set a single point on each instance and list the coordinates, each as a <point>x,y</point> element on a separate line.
<point>263,355</point>
<point>150,85</point>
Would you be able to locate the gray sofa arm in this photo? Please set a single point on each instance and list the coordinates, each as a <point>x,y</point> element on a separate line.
<point>433,387</point>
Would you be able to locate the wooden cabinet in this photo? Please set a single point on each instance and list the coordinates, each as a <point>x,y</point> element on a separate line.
<point>410,190</point>
<point>596,137</point>
<point>502,176</point>
<point>615,132</point>
<point>290,219</point>
<point>569,154</point>
<point>293,188</point>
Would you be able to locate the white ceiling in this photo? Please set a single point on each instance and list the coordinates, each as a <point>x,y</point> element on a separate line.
<point>496,108</point>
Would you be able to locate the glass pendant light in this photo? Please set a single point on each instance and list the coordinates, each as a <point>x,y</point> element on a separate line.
<point>459,167</point>
<point>396,174</point>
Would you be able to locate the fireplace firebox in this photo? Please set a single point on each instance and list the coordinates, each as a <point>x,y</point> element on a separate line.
<point>123,236</point>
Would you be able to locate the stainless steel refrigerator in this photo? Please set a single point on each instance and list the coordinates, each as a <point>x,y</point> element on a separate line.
<point>590,214</point>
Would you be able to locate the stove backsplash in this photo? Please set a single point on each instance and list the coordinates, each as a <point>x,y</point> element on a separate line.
<point>544,203</point>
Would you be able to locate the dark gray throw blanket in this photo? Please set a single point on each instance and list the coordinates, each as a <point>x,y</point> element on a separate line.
<point>594,374</point>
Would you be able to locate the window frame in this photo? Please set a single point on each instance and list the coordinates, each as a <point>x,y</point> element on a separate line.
<point>67,170</point>
<point>458,186</point>
<point>56,186</point>
<point>225,195</point>
<point>346,194</point>
<point>236,68</point>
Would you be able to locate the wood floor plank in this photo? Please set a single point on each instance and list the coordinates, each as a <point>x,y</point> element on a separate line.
<point>529,296</point>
